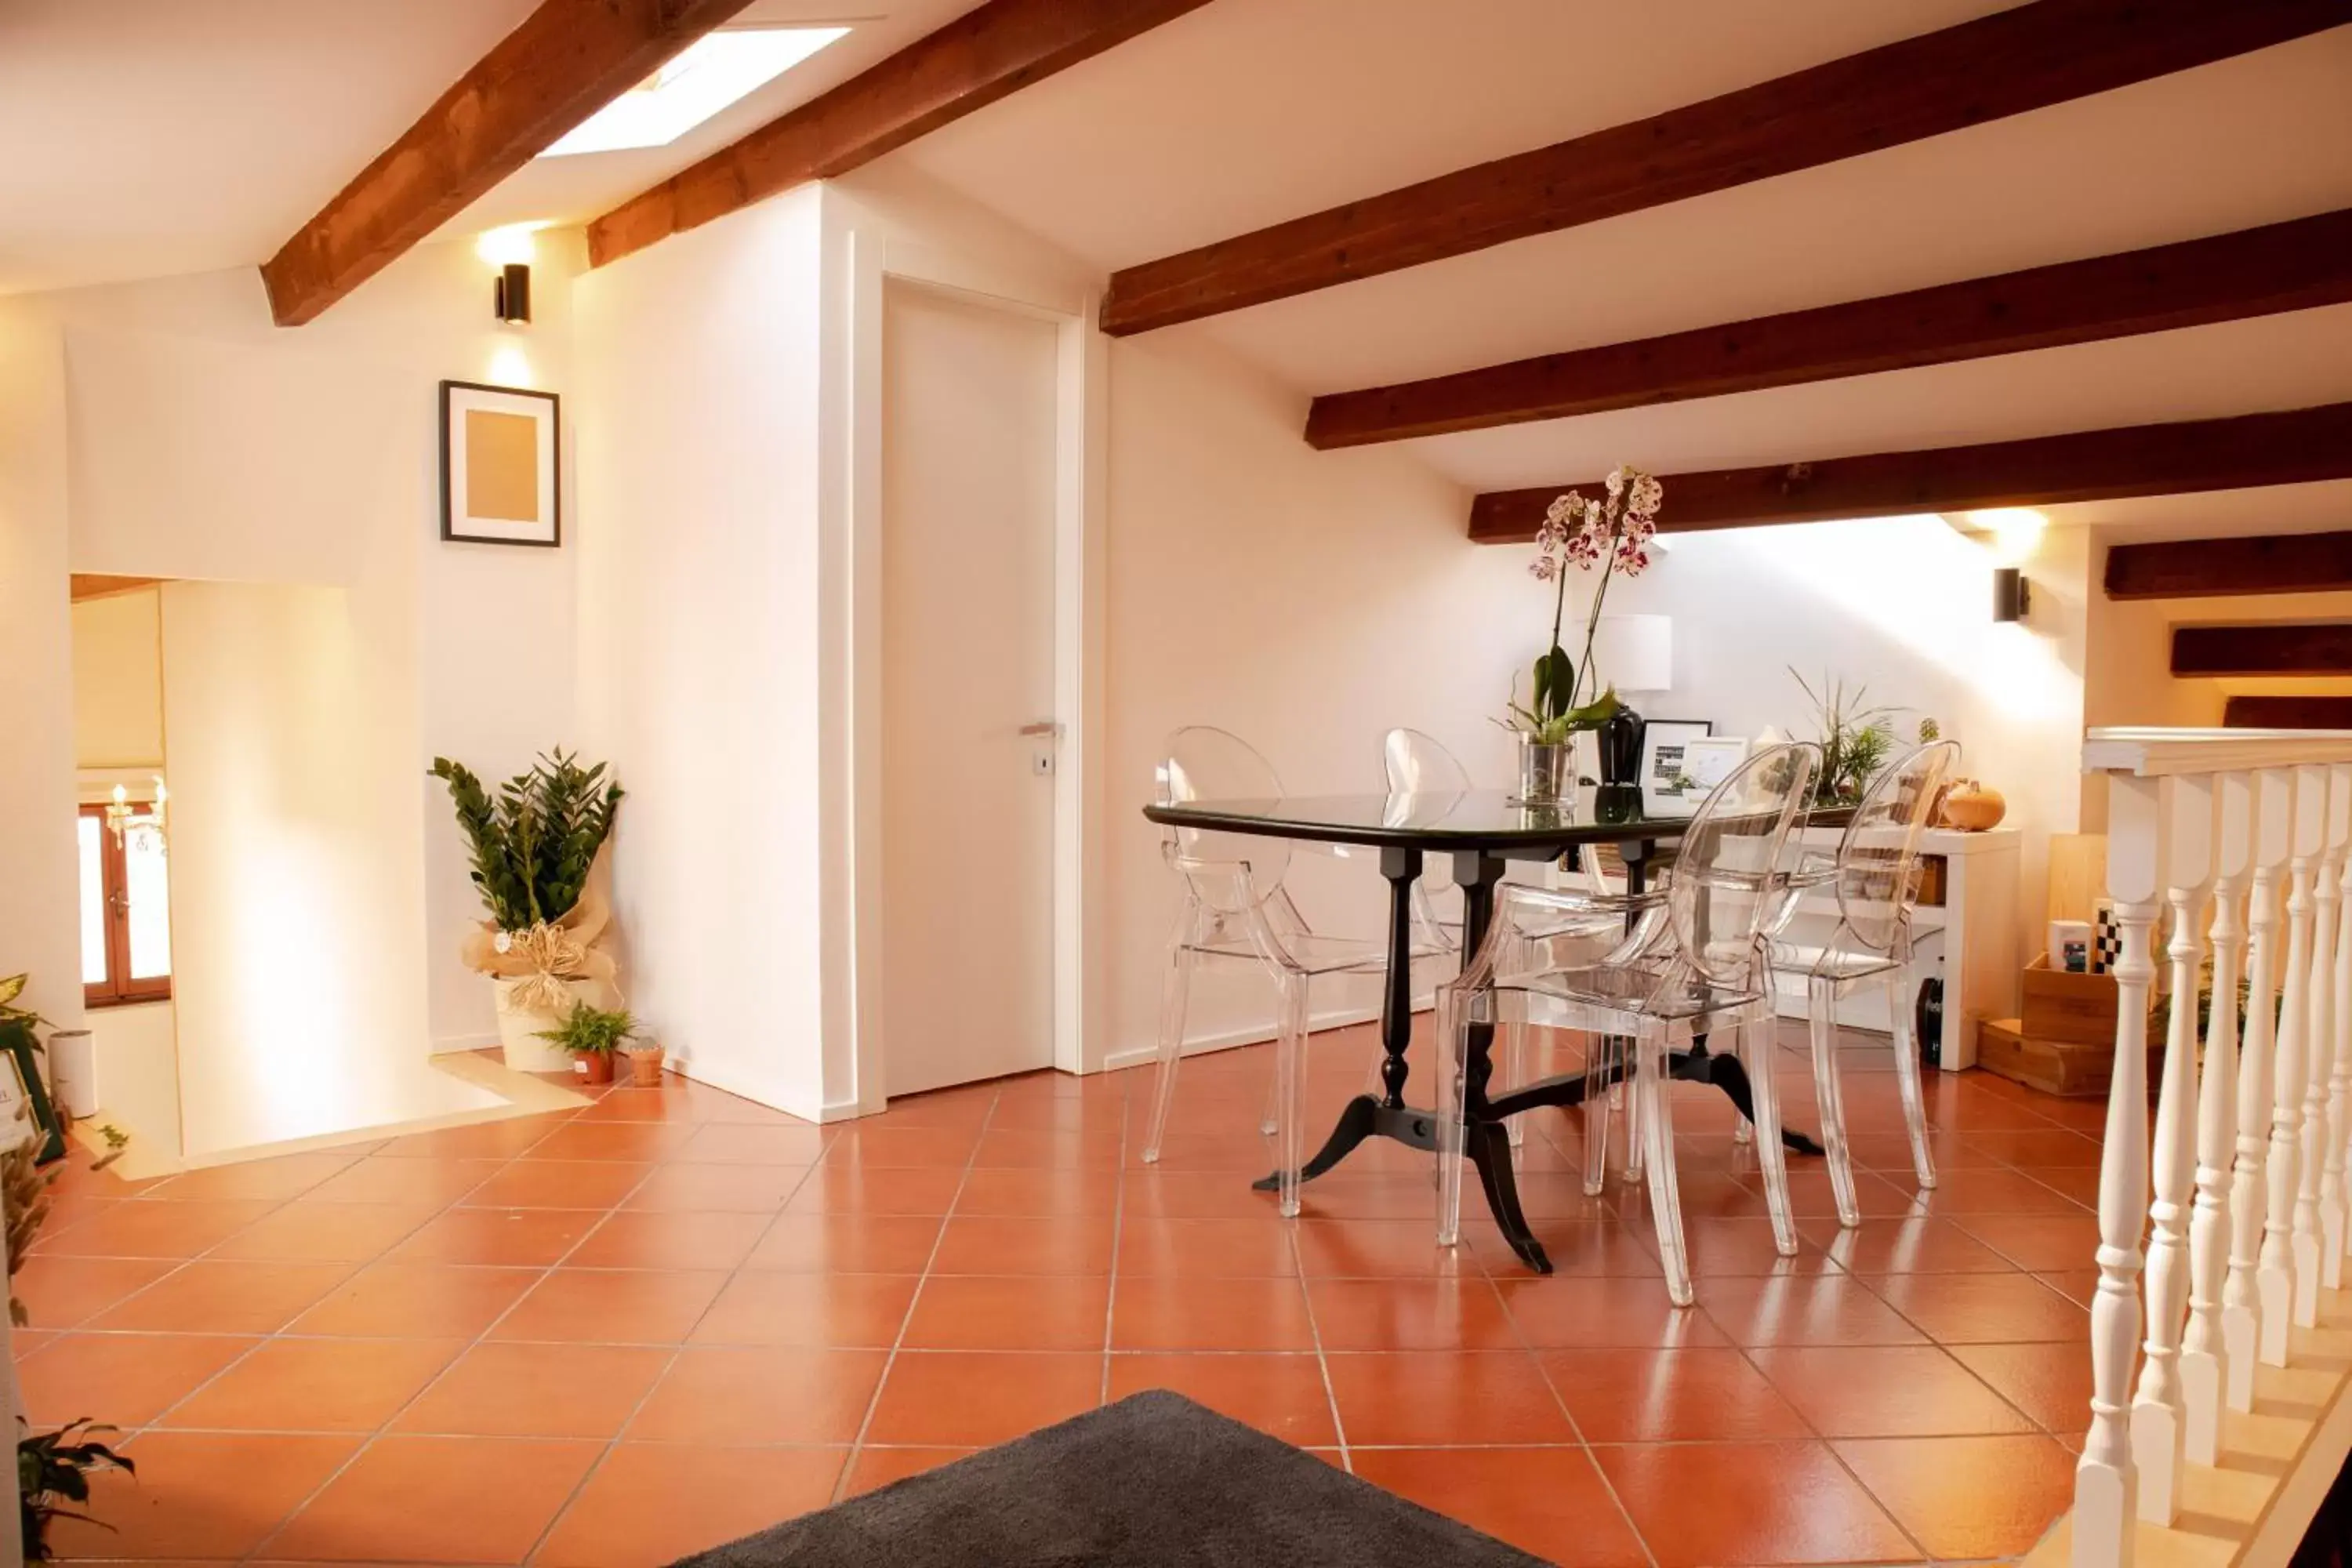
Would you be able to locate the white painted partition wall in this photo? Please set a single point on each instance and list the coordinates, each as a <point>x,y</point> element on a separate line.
<point>2239,1193</point>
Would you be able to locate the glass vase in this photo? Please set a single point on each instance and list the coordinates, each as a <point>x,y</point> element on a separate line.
<point>1546,773</point>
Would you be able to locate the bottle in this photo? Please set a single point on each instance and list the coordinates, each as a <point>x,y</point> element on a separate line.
<point>1927,1018</point>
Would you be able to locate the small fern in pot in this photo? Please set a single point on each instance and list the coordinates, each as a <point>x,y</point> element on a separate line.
<point>534,842</point>
<point>592,1035</point>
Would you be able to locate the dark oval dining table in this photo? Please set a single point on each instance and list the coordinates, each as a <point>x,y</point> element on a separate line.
<point>1481,831</point>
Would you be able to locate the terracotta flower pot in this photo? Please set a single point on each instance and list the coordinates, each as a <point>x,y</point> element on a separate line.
<point>597,1066</point>
<point>645,1066</point>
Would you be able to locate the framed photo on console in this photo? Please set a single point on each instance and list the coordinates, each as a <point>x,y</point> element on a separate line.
<point>500,465</point>
<point>1665,751</point>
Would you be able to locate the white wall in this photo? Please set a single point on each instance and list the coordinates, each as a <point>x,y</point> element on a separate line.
<point>39,933</point>
<point>698,635</point>
<point>139,1076</point>
<point>203,443</point>
<point>210,444</point>
<point>297,870</point>
<point>117,682</point>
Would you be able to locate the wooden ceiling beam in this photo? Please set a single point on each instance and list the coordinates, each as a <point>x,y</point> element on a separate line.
<point>2292,266</point>
<point>2287,713</point>
<point>2214,568</point>
<point>2297,446</point>
<point>566,61</point>
<point>2008,63</point>
<point>983,56</point>
<point>2273,648</point>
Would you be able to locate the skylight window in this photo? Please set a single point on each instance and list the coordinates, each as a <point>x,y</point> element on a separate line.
<point>707,75</point>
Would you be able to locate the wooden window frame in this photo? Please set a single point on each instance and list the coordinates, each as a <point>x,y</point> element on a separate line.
<point>119,989</point>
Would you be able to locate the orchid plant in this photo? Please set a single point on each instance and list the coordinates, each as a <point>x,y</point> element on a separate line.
<point>1610,533</point>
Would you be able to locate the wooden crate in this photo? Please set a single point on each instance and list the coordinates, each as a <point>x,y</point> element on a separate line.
<point>2075,1069</point>
<point>2078,1009</point>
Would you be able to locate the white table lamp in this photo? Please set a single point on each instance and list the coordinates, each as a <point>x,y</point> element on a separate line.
<point>1635,653</point>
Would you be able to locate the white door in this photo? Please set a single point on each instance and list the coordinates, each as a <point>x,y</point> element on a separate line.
<point>967,501</point>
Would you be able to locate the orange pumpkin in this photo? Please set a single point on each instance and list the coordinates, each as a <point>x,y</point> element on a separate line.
<point>1973,807</point>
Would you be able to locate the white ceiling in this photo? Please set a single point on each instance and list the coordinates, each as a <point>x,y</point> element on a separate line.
<point>151,137</point>
<point>1165,165</point>
<point>178,135</point>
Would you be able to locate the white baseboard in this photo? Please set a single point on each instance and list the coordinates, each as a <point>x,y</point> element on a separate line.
<point>1255,1035</point>
<point>685,1066</point>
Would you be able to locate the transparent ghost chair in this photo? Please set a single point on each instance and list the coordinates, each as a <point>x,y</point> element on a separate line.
<point>1236,906</point>
<point>1687,967</point>
<point>1875,875</point>
<point>1419,764</point>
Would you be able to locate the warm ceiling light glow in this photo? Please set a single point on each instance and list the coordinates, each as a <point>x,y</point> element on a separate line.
<point>2015,529</point>
<point>509,366</point>
<point>706,76</point>
<point>505,246</point>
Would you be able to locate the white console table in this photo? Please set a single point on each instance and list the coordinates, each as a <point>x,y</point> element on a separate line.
<point>1971,940</point>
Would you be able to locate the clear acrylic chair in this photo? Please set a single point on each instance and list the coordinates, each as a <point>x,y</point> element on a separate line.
<point>1687,967</point>
<point>1875,877</point>
<point>1236,907</point>
<point>1417,763</point>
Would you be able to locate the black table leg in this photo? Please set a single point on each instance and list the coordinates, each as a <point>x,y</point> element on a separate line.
<point>1486,1137</point>
<point>1384,1115</point>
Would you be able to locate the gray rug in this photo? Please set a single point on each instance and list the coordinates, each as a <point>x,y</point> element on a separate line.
<point>1154,1482</point>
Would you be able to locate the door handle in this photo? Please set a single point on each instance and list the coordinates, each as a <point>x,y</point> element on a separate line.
<point>1049,728</point>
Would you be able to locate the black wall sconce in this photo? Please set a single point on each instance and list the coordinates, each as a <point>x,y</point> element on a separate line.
<point>510,293</point>
<point>2011,593</point>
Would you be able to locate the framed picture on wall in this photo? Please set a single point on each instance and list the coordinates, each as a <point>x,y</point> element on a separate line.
<point>498,465</point>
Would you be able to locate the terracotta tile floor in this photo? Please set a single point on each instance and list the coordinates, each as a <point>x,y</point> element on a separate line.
<point>616,1335</point>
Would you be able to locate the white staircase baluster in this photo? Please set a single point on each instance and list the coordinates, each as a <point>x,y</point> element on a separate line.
<point>2274,1274</point>
<point>2205,1350</point>
<point>2158,1411</point>
<point>2333,979</point>
<point>2106,1482</point>
<point>2313,1232</point>
<point>2241,1310</point>
<point>2312,1061</point>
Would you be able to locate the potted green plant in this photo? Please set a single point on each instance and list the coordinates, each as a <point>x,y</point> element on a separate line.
<point>53,1469</point>
<point>1613,533</point>
<point>1856,737</point>
<point>534,842</point>
<point>591,1035</point>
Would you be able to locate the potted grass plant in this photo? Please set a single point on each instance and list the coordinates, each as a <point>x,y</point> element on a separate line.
<point>536,843</point>
<point>591,1035</point>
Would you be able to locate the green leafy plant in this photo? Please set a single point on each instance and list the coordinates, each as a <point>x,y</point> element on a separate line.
<point>17,1023</point>
<point>53,1469</point>
<point>533,841</point>
<point>1855,737</point>
<point>592,1031</point>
